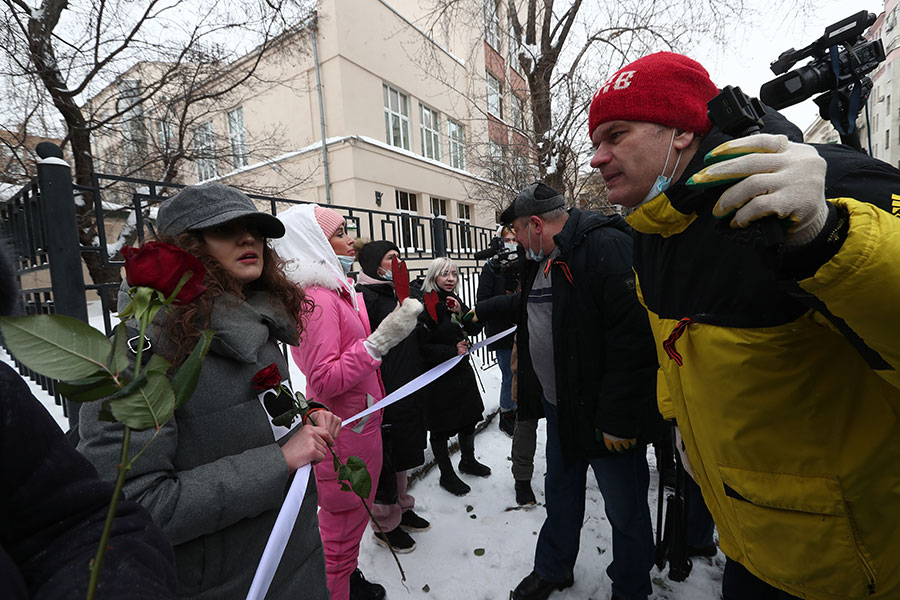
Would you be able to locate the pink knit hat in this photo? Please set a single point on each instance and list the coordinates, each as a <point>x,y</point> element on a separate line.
<point>329,220</point>
<point>665,88</point>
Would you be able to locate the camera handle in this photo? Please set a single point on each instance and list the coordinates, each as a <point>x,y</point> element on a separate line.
<point>739,115</point>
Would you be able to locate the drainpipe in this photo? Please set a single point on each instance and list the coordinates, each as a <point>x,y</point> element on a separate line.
<point>315,45</point>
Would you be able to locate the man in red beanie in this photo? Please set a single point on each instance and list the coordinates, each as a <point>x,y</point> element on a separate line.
<point>779,365</point>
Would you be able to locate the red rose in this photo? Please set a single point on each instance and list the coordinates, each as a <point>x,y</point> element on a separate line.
<point>267,379</point>
<point>451,303</point>
<point>161,266</point>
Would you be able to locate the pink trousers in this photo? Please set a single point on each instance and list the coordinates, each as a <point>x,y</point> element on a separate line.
<point>388,515</point>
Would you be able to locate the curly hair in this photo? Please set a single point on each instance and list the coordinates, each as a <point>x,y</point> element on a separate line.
<point>185,323</point>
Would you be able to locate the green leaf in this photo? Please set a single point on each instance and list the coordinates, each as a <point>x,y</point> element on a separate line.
<point>106,414</point>
<point>343,472</point>
<point>150,406</point>
<point>355,463</point>
<point>361,482</point>
<point>345,487</point>
<point>157,363</point>
<point>93,388</point>
<point>284,419</point>
<point>337,463</point>
<point>118,355</point>
<point>131,387</point>
<point>185,380</point>
<point>57,346</point>
<point>479,551</point>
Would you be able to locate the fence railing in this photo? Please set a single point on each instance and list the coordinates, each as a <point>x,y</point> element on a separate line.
<point>40,222</point>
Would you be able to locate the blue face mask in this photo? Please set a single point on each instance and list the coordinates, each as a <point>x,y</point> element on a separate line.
<point>347,263</point>
<point>387,275</point>
<point>663,182</point>
<point>531,254</point>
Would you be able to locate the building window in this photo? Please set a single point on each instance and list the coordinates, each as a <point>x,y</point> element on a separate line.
<point>517,112</point>
<point>887,139</point>
<point>457,145</point>
<point>132,110</point>
<point>494,96</point>
<point>497,155</point>
<point>515,47</point>
<point>431,133</point>
<point>396,117</point>
<point>237,137</point>
<point>165,135</point>
<point>205,151</point>
<point>408,206</point>
<point>438,207</point>
<point>465,222</point>
<point>491,24</point>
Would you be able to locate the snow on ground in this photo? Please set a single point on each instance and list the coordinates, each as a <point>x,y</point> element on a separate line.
<point>448,564</point>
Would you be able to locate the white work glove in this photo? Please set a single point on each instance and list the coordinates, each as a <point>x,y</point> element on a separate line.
<point>775,177</point>
<point>395,328</point>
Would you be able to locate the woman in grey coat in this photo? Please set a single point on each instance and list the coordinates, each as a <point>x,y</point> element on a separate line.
<point>215,477</point>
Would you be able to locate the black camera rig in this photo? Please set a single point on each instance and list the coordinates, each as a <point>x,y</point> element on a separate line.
<point>842,58</point>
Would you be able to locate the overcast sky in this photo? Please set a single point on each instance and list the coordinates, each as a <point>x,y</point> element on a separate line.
<point>758,44</point>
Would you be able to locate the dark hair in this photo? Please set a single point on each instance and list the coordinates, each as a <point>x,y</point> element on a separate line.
<point>185,323</point>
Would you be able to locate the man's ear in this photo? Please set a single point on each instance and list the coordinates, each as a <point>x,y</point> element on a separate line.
<point>683,139</point>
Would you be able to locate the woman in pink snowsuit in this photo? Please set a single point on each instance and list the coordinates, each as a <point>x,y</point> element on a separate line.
<point>340,357</point>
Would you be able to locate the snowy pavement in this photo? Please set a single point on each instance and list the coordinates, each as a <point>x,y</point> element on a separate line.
<point>482,544</point>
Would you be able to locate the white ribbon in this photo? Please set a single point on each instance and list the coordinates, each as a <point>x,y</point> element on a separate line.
<point>287,516</point>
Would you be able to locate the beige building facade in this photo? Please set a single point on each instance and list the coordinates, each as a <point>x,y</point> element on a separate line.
<point>414,109</point>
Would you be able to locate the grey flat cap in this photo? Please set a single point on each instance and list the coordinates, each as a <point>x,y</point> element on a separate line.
<point>208,204</point>
<point>536,199</point>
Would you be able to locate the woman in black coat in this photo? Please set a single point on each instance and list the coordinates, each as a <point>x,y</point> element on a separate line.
<point>454,403</point>
<point>403,427</point>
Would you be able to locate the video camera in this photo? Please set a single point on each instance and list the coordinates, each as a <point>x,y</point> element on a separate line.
<point>503,260</point>
<point>839,73</point>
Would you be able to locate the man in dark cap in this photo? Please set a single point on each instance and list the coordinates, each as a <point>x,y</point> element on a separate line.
<point>587,364</point>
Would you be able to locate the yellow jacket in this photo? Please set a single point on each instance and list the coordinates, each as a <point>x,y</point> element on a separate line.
<point>792,437</point>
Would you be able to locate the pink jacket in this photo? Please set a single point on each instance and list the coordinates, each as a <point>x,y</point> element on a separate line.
<point>340,373</point>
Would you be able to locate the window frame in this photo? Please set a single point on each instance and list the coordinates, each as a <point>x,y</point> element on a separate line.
<point>494,96</point>
<point>430,132</point>
<point>204,140</point>
<point>401,114</point>
<point>457,144</point>
<point>237,140</point>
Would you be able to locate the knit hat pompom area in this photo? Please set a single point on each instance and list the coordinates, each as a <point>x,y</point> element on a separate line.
<point>664,87</point>
<point>329,220</point>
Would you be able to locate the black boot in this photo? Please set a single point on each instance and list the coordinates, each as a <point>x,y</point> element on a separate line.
<point>508,422</point>
<point>524,493</point>
<point>468,464</point>
<point>450,481</point>
<point>360,589</point>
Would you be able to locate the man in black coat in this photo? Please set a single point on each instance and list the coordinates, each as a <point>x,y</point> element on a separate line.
<point>587,364</point>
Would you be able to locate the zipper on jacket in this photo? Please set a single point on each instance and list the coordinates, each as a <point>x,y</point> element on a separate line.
<point>867,568</point>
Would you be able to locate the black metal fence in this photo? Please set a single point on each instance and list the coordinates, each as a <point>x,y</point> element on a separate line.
<point>40,222</point>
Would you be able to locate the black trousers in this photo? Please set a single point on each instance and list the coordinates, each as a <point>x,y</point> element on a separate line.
<point>740,584</point>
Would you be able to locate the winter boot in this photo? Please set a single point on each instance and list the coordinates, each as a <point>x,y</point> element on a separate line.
<point>508,422</point>
<point>468,464</point>
<point>360,589</point>
<point>397,539</point>
<point>524,494</point>
<point>450,481</point>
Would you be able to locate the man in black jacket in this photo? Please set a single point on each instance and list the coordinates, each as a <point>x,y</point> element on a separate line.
<point>587,364</point>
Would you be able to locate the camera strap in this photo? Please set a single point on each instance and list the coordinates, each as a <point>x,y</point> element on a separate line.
<point>834,107</point>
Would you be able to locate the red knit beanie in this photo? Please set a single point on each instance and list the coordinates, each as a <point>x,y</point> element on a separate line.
<point>329,220</point>
<point>665,88</point>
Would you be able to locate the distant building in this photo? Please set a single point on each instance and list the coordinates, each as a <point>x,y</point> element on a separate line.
<point>17,156</point>
<point>408,116</point>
